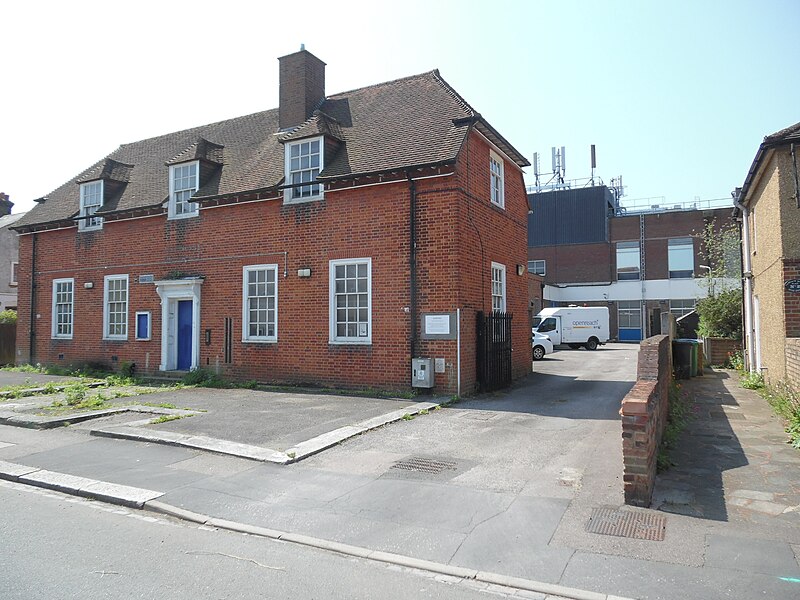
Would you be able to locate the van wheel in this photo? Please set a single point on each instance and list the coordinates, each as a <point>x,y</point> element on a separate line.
<point>591,344</point>
<point>574,346</point>
<point>538,353</point>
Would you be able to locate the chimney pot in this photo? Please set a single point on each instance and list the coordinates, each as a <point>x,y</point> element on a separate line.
<point>5,204</point>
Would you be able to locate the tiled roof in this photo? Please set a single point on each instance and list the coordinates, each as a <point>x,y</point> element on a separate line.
<point>7,220</point>
<point>784,136</point>
<point>107,169</point>
<point>789,134</point>
<point>318,124</point>
<point>414,121</point>
<point>202,149</point>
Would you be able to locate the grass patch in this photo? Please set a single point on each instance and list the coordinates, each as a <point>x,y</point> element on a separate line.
<point>159,404</point>
<point>679,414</point>
<point>785,401</point>
<point>167,419</point>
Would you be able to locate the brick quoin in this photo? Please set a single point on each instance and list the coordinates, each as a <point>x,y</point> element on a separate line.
<point>459,234</point>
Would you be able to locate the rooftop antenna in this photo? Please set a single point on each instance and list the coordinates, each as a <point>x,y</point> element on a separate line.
<point>594,163</point>
<point>559,163</point>
<point>536,167</point>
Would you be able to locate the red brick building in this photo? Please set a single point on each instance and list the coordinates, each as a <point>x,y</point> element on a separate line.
<point>639,261</point>
<point>308,243</point>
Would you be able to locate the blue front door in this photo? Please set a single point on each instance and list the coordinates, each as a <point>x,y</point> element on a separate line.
<point>184,362</point>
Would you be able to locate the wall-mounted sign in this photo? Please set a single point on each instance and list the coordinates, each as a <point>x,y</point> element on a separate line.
<point>793,285</point>
<point>438,326</point>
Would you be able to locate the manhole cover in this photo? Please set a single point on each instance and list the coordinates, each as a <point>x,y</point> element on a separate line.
<point>639,526</point>
<point>424,465</point>
<point>479,415</point>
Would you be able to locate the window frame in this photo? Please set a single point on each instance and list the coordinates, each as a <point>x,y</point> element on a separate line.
<point>173,202</point>
<point>93,223</point>
<point>628,311</point>
<point>333,338</point>
<point>137,336</point>
<point>246,337</point>
<point>683,310</point>
<point>106,314</point>
<point>532,267</point>
<point>628,245</point>
<point>13,279</point>
<point>289,192</point>
<point>497,194</point>
<point>680,273</point>
<point>54,310</point>
<point>504,301</point>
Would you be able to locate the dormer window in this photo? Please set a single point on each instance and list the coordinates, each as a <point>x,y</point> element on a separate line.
<point>303,163</point>
<point>183,183</point>
<point>91,200</point>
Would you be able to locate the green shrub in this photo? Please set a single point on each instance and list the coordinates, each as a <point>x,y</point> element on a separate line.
<point>8,316</point>
<point>752,381</point>
<point>203,378</point>
<point>127,368</point>
<point>75,393</point>
<point>721,315</point>
<point>735,360</point>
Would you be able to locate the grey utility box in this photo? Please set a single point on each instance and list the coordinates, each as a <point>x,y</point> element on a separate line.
<point>422,372</point>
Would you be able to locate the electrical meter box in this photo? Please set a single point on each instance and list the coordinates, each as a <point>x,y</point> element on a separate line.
<point>422,372</point>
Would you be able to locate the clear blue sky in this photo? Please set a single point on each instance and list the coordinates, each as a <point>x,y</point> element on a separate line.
<point>675,95</point>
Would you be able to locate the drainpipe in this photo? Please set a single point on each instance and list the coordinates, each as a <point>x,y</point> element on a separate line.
<point>796,177</point>
<point>412,216</point>
<point>32,334</point>
<point>748,279</point>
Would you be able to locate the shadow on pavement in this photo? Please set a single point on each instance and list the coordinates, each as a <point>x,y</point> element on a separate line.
<point>706,448</point>
<point>551,395</point>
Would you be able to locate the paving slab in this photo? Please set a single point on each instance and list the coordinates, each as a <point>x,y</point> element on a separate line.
<point>751,556</point>
<point>278,420</point>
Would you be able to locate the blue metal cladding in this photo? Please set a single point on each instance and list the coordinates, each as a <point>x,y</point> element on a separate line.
<point>630,335</point>
<point>571,216</point>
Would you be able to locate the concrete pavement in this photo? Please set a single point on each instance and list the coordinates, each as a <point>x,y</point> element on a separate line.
<point>504,483</point>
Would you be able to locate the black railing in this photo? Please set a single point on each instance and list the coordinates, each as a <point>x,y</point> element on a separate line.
<point>494,350</point>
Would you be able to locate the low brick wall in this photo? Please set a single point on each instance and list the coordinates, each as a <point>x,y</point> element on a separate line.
<point>644,416</point>
<point>717,349</point>
<point>793,362</point>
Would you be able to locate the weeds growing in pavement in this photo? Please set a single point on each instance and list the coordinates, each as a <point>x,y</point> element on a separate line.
<point>679,414</point>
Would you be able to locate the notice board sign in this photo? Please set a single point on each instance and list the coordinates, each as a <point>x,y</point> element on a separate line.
<point>439,326</point>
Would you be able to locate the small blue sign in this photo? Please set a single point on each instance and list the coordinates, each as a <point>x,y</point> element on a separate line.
<point>793,285</point>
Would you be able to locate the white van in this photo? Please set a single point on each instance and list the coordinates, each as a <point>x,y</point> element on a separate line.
<point>575,326</point>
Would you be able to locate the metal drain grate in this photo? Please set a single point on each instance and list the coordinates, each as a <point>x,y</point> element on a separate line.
<point>424,465</point>
<point>639,526</point>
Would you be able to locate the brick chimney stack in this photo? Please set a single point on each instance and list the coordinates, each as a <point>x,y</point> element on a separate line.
<point>302,87</point>
<point>5,205</point>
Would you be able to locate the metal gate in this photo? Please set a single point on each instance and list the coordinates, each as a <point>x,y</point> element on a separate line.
<point>494,350</point>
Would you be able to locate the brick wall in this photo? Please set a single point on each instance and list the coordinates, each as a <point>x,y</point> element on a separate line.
<point>793,362</point>
<point>717,350</point>
<point>459,234</point>
<point>578,263</point>
<point>644,414</point>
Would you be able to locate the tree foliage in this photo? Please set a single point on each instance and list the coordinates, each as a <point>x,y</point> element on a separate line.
<point>8,316</point>
<point>721,311</point>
